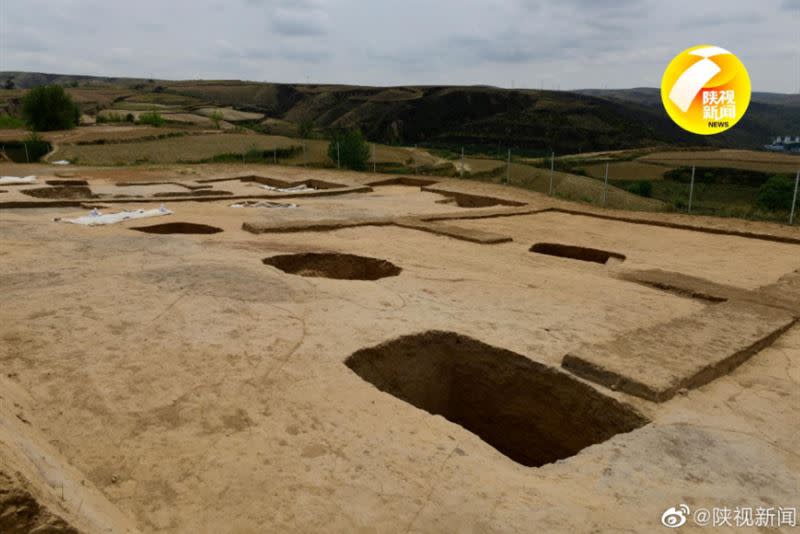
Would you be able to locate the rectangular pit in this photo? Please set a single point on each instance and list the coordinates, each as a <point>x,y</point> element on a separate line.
<point>530,412</point>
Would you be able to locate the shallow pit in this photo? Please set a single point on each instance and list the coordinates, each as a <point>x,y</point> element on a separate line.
<point>60,192</point>
<point>404,180</point>
<point>464,200</point>
<point>178,228</point>
<point>531,413</point>
<point>578,253</point>
<point>67,182</point>
<point>193,193</point>
<point>334,265</point>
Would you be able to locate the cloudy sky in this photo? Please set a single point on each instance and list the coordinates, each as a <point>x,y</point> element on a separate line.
<point>562,44</point>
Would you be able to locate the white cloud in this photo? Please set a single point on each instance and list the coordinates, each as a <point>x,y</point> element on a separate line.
<point>566,43</point>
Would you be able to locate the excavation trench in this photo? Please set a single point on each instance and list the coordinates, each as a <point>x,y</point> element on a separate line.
<point>334,265</point>
<point>530,412</point>
<point>178,228</point>
<point>61,192</point>
<point>577,253</point>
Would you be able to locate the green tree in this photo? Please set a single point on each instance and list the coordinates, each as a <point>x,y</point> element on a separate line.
<point>353,149</point>
<point>305,128</point>
<point>776,193</point>
<point>49,107</point>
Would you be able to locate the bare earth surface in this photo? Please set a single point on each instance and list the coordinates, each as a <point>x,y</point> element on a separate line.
<point>177,383</point>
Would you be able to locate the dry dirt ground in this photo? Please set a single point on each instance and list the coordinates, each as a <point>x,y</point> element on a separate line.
<point>456,381</point>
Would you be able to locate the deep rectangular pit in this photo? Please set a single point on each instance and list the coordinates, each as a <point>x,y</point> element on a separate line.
<point>532,413</point>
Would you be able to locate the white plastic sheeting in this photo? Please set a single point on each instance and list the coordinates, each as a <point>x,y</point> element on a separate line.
<point>61,162</point>
<point>95,218</point>
<point>16,180</point>
<point>295,189</point>
<point>255,204</point>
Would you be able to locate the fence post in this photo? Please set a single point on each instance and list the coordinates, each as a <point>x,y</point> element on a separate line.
<point>605,186</point>
<point>691,190</point>
<point>275,155</point>
<point>462,162</point>
<point>508,166</point>
<point>414,157</point>
<point>794,198</point>
<point>305,156</point>
<point>552,168</point>
<point>373,158</point>
<point>26,152</point>
<point>338,157</point>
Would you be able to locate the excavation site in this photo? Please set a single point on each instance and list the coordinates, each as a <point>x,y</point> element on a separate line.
<point>248,347</point>
<point>336,267</point>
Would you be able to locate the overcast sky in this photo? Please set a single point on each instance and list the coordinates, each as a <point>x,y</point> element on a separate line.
<point>562,44</point>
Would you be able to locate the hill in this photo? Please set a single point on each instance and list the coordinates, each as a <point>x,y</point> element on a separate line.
<point>484,119</point>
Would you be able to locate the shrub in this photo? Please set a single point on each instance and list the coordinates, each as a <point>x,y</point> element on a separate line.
<point>353,149</point>
<point>7,121</point>
<point>49,107</point>
<point>643,189</point>
<point>130,118</point>
<point>109,117</point>
<point>776,193</point>
<point>152,118</point>
<point>216,117</point>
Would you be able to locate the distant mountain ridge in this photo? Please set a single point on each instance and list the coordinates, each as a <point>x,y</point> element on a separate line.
<point>476,116</point>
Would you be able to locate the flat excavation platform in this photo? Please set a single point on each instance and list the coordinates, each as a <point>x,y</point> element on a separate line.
<point>364,353</point>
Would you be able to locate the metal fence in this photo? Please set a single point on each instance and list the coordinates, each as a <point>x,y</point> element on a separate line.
<point>753,190</point>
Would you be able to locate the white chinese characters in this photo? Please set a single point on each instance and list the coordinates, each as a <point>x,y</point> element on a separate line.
<point>719,105</point>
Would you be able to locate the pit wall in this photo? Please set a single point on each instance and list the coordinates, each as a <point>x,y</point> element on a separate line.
<point>39,490</point>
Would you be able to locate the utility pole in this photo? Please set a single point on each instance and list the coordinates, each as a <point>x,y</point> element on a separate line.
<point>552,168</point>
<point>26,152</point>
<point>605,187</point>
<point>794,198</point>
<point>691,190</point>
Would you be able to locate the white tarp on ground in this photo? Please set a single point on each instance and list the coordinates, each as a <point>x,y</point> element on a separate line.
<point>255,204</point>
<point>16,180</point>
<point>61,162</point>
<point>95,218</point>
<point>295,189</point>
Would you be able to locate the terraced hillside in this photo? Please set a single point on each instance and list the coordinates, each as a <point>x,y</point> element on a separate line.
<point>479,117</point>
